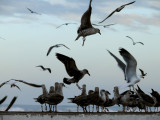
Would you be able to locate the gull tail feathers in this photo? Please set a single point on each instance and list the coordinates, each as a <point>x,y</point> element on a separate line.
<point>65,80</point>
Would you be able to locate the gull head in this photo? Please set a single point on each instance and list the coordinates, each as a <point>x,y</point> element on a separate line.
<point>85,71</point>
<point>98,31</point>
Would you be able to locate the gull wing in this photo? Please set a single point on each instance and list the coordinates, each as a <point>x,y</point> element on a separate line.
<point>49,70</point>
<point>11,103</point>
<point>41,67</point>
<point>30,84</point>
<point>131,64</point>
<point>130,38</point>
<point>108,16</point>
<point>140,43</point>
<point>69,64</point>
<point>30,10</point>
<point>85,19</point>
<point>120,63</point>
<point>65,46</point>
<point>3,83</point>
<point>49,50</point>
<point>3,99</point>
<point>129,3</point>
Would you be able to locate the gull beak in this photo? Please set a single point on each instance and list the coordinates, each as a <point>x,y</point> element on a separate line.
<point>99,32</point>
<point>88,74</point>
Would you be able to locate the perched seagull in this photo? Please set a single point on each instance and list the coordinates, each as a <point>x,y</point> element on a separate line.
<point>56,46</point>
<point>13,82</point>
<point>129,68</point>
<point>33,11</point>
<point>104,25</point>
<point>49,70</point>
<point>142,72</point>
<point>2,38</point>
<point>86,27</point>
<point>72,70</point>
<point>65,24</point>
<point>11,103</point>
<point>117,10</point>
<point>133,41</point>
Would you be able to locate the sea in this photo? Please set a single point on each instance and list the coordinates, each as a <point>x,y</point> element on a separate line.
<point>60,108</point>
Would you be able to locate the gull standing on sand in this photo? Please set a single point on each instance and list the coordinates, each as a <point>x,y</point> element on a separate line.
<point>129,68</point>
<point>13,82</point>
<point>72,70</point>
<point>117,10</point>
<point>56,46</point>
<point>134,42</point>
<point>33,11</point>
<point>86,27</point>
<point>65,24</point>
<point>43,68</point>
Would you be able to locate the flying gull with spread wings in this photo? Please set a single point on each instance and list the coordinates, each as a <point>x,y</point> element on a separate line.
<point>65,24</point>
<point>117,10</point>
<point>86,27</point>
<point>129,69</point>
<point>72,70</point>
<point>56,46</point>
<point>12,83</point>
<point>142,73</point>
<point>43,68</point>
<point>31,11</point>
<point>134,42</point>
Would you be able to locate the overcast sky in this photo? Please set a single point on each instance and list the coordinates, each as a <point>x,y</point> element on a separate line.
<point>28,37</point>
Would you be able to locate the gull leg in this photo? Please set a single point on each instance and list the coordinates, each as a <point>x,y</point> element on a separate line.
<point>78,86</point>
<point>45,107</point>
<point>42,107</point>
<point>83,41</point>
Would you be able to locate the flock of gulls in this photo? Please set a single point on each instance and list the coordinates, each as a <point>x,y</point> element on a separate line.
<point>130,99</point>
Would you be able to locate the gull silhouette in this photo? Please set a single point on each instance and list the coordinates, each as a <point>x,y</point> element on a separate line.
<point>56,46</point>
<point>65,24</point>
<point>134,42</point>
<point>33,11</point>
<point>117,10</point>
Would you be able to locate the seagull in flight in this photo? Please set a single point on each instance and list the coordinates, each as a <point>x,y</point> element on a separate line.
<point>56,46</point>
<point>86,28</point>
<point>12,83</point>
<point>104,25</point>
<point>33,11</point>
<point>65,24</point>
<point>117,10</point>
<point>134,42</point>
<point>49,70</point>
<point>129,69</point>
<point>142,72</point>
<point>72,70</point>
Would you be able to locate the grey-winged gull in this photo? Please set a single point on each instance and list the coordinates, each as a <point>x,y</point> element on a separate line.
<point>86,27</point>
<point>65,24</point>
<point>42,98</point>
<point>56,46</point>
<point>72,70</point>
<point>117,10</point>
<point>134,43</point>
<point>31,11</point>
<point>43,68</point>
<point>57,97</point>
<point>129,68</point>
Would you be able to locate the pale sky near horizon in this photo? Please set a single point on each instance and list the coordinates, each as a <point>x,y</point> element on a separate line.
<point>28,37</point>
